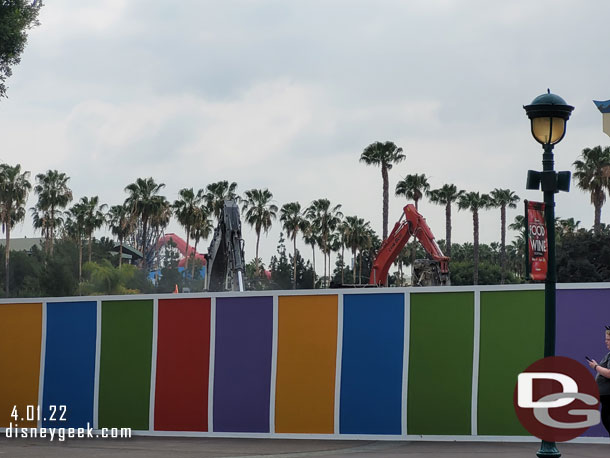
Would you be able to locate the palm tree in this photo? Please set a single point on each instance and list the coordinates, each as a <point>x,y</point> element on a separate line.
<point>185,210</point>
<point>75,228</point>
<point>120,223</point>
<point>158,222</point>
<point>312,238</point>
<point>14,189</point>
<point>385,155</point>
<point>474,202</point>
<point>93,218</point>
<point>325,219</point>
<point>446,195</point>
<point>144,202</point>
<point>53,195</point>
<point>413,187</point>
<point>293,222</point>
<point>355,234</point>
<point>259,213</point>
<point>503,198</point>
<point>216,195</point>
<point>593,175</point>
<point>200,229</point>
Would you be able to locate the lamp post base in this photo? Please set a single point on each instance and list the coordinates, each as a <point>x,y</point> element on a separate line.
<point>548,449</point>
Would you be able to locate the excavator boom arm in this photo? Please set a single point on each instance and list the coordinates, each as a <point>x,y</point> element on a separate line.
<point>413,224</point>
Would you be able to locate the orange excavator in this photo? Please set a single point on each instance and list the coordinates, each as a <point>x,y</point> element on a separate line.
<point>426,272</point>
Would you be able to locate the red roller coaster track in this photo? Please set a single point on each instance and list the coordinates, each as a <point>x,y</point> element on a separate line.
<point>181,245</point>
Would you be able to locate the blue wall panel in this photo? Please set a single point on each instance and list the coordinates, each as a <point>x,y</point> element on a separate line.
<point>371,368</point>
<point>70,363</point>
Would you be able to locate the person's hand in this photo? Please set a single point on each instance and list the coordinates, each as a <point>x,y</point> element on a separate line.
<point>592,364</point>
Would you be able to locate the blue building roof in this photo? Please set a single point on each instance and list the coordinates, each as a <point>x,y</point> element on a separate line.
<point>604,107</point>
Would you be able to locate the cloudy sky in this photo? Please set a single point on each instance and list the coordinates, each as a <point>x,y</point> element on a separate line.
<point>285,94</point>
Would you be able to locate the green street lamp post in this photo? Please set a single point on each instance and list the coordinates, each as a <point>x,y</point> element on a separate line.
<point>548,114</point>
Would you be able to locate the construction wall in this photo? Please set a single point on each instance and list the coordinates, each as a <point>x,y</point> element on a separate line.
<point>388,363</point>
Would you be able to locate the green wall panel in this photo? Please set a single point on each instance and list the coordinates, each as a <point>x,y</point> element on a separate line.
<point>512,337</point>
<point>125,363</point>
<point>440,363</point>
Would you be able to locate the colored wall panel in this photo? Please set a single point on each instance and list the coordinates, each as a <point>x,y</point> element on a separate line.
<point>69,370</point>
<point>183,361</point>
<point>440,363</point>
<point>125,362</point>
<point>372,363</point>
<point>512,337</point>
<point>306,364</point>
<point>242,364</point>
<point>20,337</point>
<point>581,317</point>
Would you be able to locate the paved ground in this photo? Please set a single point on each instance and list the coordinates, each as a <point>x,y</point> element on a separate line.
<point>157,447</point>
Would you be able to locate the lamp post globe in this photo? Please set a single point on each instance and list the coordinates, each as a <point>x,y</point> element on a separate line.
<point>548,115</point>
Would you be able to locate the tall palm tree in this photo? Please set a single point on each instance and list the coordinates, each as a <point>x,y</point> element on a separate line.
<point>355,233</point>
<point>201,229</point>
<point>53,196</point>
<point>121,224</point>
<point>325,218</point>
<point>14,189</point>
<point>593,175</point>
<point>144,201</point>
<point>503,198</point>
<point>216,195</point>
<point>292,222</point>
<point>185,210</point>
<point>159,220</point>
<point>384,155</point>
<point>75,228</point>
<point>446,195</point>
<point>311,237</point>
<point>413,187</point>
<point>474,202</point>
<point>93,218</point>
<point>259,213</point>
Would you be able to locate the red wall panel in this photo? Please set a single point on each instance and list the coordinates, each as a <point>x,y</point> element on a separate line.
<point>183,355</point>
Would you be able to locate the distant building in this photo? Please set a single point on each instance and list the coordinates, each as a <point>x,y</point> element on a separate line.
<point>25,244</point>
<point>604,108</point>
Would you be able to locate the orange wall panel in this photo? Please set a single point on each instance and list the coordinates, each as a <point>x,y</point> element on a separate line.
<point>306,360</point>
<point>20,336</point>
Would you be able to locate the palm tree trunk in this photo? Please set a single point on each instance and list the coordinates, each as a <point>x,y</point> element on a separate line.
<point>503,243</point>
<point>448,229</point>
<point>7,254</point>
<point>120,252</point>
<point>294,261</point>
<point>193,266</point>
<point>597,205</point>
<point>324,253</point>
<point>258,237</point>
<point>475,225</point>
<point>313,251</point>
<point>342,263</point>
<point>360,271</point>
<point>384,176</point>
<point>186,259</point>
<point>144,229</point>
<point>52,230</point>
<point>354,265</point>
<point>89,245</point>
<point>80,258</point>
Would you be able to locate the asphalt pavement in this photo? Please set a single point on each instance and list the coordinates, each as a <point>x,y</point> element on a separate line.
<point>157,447</point>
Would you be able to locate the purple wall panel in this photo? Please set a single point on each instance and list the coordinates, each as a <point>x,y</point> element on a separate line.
<point>581,316</point>
<point>242,365</point>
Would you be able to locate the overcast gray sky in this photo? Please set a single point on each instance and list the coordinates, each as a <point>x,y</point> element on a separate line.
<point>286,94</point>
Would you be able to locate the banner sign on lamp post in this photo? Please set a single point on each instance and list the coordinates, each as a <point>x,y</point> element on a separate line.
<point>536,241</point>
